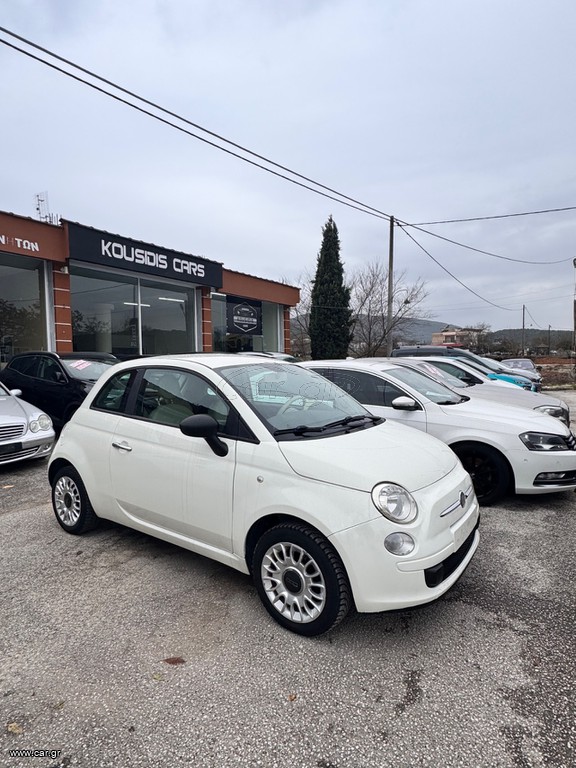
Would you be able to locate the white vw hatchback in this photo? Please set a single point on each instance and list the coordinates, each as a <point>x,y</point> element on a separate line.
<point>269,468</point>
<point>503,447</point>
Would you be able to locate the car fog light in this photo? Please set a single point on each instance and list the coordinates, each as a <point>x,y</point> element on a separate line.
<point>399,543</point>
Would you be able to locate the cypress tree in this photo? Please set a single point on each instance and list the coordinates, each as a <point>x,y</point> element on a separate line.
<point>330,314</point>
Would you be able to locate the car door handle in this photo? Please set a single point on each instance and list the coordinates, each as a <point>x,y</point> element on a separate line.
<point>122,446</point>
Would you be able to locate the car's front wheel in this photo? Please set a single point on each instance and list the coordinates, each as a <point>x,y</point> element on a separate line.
<point>70,502</point>
<point>488,469</point>
<point>300,579</point>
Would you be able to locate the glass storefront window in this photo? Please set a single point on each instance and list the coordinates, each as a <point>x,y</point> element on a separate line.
<point>168,323</point>
<point>271,328</point>
<point>128,316</point>
<point>225,341</point>
<point>22,306</point>
<point>218,322</point>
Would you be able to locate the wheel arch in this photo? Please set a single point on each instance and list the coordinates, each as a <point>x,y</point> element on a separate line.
<point>263,524</point>
<point>489,447</point>
<point>56,466</point>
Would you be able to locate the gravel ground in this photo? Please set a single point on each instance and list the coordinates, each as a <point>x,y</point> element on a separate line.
<point>118,650</point>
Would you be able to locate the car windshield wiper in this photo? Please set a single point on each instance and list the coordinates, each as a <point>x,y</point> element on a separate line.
<point>300,430</point>
<point>351,419</point>
<point>303,428</point>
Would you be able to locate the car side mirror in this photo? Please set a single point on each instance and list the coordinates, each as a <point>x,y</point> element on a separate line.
<point>205,426</point>
<point>404,403</point>
<point>16,392</point>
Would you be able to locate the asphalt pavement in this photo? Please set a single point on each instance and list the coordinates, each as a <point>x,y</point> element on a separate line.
<point>118,650</point>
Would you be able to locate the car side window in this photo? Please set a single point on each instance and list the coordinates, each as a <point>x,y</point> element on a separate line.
<point>27,365</point>
<point>114,395</point>
<point>49,370</point>
<point>367,389</point>
<point>167,396</point>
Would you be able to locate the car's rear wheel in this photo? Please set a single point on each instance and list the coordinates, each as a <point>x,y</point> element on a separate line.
<point>488,469</point>
<point>70,502</point>
<point>300,579</point>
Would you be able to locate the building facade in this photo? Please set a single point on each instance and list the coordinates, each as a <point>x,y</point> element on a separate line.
<point>69,287</point>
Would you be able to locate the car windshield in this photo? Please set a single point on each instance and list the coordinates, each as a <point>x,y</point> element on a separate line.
<point>87,370</point>
<point>3,390</point>
<point>443,376</point>
<point>425,385</point>
<point>528,365</point>
<point>296,401</point>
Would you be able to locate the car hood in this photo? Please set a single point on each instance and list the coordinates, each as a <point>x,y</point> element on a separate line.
<point>360,459</point>
<point>11,409</point>
<point>488,415</point>
<point>514,395</point>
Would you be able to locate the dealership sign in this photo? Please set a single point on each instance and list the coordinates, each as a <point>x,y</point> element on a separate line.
<point>97,247</point>
<point>244,317</point>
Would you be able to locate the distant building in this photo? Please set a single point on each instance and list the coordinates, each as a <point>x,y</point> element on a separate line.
<point>460,337</point>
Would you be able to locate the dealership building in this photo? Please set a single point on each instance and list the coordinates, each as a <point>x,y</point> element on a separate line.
<point>70,287</point>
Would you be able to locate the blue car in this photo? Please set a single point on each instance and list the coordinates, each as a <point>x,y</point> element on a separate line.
<point>497,372</point>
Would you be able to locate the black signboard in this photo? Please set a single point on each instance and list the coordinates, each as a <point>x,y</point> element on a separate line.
<point>243,316</point>
<point>92,245</point>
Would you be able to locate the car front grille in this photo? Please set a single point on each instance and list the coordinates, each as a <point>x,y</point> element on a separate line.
<point>12,431</point>
<point>25,454</point>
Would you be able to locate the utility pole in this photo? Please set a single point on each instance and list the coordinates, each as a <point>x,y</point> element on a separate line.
<point>390,288</point>
<point>523,324</point>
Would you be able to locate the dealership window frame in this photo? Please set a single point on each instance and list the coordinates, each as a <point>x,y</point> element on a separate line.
<point>44,330</point>
<point>140,283</point>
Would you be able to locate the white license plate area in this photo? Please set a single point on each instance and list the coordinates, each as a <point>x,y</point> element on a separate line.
<point>462,529</point>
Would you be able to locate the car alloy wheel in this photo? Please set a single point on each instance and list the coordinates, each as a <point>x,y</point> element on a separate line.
<point>488,469</point>
<point>70,502</point>
<point>300,579</point>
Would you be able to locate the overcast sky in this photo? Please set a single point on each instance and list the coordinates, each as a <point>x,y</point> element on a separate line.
<point>423,109</point>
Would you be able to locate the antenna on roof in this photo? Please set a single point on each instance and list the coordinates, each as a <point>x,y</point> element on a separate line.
<point>43,209</point>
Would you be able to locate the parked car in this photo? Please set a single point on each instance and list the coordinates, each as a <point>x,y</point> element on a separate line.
<point>267,467</point>
<point>520,364</point>
<point>532,375</point>
<point>25,431</point>
<point>55,382</point>
<point>492,369</point>
<point>459,375</point>
<point>504,448</point>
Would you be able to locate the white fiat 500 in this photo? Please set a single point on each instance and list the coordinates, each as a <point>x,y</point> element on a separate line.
<point>273,470</point>
<point>503,447</point>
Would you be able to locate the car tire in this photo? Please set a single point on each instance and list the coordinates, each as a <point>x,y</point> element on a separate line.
<point>70,502</point>
<point>488,469</point>
<point>300,579</point>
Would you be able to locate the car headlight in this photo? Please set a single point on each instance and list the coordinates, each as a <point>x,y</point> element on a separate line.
<point>555,410</point>
<point>394,502</point>
<point>541,441</point>
<point>43,422</point>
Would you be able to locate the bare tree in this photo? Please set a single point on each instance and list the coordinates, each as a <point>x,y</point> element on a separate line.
<point>300,316</point>
<point>369,303</point>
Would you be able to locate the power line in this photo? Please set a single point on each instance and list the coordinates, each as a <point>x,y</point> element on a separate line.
<point>117,87</point>
<point>479,250</point>
<point>500,216</point>
<point>508,309</point>
<point>364,207</point>
<point>340,197</point>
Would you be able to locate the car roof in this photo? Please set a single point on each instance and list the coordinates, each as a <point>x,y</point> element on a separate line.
<point>212,360</point>
<point>382,363</point>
